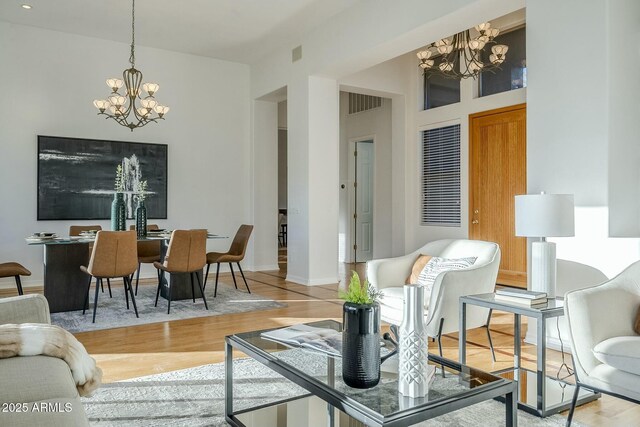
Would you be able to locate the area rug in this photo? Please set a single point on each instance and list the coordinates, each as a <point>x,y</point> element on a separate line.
<point>195,397</point>
<point>113,313</point>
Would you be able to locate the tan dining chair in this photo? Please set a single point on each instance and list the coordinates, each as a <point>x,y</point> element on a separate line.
<point>115,254</point>
<point>148,252</point>
<point>76,230</point>
<point>235,254</point>
<point>187,253</point>
<point>9,269</point>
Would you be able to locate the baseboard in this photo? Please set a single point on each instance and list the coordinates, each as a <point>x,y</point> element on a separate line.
<point>314,282</point>
<point>553,342</point>
<point>263,267</point>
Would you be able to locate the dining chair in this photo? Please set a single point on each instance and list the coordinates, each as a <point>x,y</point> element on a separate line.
<point>148,252</point>
<point>76,230</point>
<point>234,254</point>
<point>187,253</point>
<point>8,269</point>
<point>115,254</point>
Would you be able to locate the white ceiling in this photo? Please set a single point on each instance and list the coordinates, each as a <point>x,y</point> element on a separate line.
<point>235,30</point>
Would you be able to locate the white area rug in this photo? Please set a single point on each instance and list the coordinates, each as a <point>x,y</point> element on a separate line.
<point>195,397</point>
<point>113,313</point>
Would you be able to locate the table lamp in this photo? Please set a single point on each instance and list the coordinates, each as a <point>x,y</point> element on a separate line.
<point>541,216</point>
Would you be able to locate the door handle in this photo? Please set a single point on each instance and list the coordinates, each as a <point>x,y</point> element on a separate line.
<point>475,221</point>
<point>475,214</point>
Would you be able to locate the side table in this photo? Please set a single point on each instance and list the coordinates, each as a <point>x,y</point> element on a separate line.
<point>538,393</point>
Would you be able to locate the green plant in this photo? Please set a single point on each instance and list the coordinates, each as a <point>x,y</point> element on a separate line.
<point>360,293</point>
<point>141,190</point>
<point>119,183</point>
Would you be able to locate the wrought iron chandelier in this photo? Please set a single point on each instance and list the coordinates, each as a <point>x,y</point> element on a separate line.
<point>443,55</point>
<point>120,107</point>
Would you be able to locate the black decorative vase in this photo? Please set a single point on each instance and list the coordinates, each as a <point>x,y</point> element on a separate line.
<point>361,345</point>
<point>141,219</point>
<point>118,213</point>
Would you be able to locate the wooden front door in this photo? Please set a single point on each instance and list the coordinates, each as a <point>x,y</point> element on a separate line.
<point>497,172</point>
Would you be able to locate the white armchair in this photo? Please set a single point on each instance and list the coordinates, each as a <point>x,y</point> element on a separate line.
<point>606,350</point>
<point>441,305</point>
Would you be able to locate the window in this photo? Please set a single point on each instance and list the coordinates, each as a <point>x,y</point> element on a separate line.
<point>439,90</point>
<point>441,177</point>
<point>513,72</point>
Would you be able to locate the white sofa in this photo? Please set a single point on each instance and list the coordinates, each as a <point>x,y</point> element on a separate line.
<point>441,305</point>
<point>606,350</point>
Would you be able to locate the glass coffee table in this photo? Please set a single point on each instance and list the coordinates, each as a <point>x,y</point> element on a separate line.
<point>321,376</point>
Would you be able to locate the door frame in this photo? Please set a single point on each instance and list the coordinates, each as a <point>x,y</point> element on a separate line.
<point>351,200</point>
<point>480,114</point>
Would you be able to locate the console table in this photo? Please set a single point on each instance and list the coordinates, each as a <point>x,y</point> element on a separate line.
<point>538,393</point>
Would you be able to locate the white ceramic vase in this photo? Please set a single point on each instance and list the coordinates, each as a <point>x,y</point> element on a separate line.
<point>413,366</point>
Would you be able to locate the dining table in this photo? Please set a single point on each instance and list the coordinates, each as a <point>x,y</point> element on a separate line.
<point>65,284</point>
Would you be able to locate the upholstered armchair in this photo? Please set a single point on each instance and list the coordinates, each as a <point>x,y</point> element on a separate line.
<point>606,348</point>
<point>441,304</point>
<point>36,380</point>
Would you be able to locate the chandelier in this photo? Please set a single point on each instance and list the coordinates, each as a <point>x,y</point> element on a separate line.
<point>442,56</point>
<point>131,109</point>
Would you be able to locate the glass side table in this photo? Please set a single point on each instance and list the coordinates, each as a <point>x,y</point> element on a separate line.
<point>538,393</point>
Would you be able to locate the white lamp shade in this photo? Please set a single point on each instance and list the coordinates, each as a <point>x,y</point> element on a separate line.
<point>545,215</point>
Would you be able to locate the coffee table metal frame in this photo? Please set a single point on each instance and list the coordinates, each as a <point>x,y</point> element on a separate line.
<point>553,309</point>
<point>336,399</point>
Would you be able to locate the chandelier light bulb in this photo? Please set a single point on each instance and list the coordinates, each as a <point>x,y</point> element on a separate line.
<point>495,60</point>
<point>424,54</point>
<point>493,32</point>
<point>117,100</point>
<point>500,49</point>
<point>443,42</point>
<point>150,88</point>
<point>445,49</point>
<point>148,103</point>
<point>144,111</point>
<point>114,84</point>
<point>475,66</point>
<point>426,63</point>
<point>101,104</point>
<point>446,66</point>
<point>483,27</point>
<point>161,110</point>
<point>476,44</point>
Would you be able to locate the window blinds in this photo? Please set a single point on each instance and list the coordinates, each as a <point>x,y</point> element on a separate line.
<point>441,177</point>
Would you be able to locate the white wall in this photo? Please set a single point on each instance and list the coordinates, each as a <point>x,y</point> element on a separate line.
<point>49,80</point>
<point>372,124</point>
<point>582,124</point>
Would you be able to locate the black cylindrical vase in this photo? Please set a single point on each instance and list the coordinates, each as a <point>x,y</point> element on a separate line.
<point>361,345</point>
<point>141,219</point>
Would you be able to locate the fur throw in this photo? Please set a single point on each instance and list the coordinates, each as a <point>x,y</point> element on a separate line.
<point>33,339</point>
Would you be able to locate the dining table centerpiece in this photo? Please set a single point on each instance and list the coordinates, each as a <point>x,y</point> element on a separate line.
<point>141,209</point>
<point>118,206</point>
<point>360,334</point>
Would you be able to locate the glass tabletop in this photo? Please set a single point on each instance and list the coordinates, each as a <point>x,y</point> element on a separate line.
<point>383,399</point>
<point>69,240</point>
<point>553,305</point>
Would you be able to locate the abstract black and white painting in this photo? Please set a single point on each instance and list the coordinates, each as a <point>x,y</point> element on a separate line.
<point>76,177</point>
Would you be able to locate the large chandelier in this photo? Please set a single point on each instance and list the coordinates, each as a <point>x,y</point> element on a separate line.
<point>131,110</point>
<point>442,56</point>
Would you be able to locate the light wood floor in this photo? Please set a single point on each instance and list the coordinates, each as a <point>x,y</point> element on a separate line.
<point>124,353</point>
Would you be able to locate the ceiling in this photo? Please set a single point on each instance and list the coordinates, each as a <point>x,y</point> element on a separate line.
<point>234,30</point>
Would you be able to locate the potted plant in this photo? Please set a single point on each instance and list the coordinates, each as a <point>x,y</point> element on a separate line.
<point>118,207</point>
<point>360,334</point>
<point>141,209</point>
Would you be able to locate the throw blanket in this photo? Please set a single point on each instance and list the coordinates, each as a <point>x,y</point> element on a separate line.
<point>33,339</point>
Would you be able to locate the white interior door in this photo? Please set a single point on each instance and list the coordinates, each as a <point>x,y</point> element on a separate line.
<point>363,218</point>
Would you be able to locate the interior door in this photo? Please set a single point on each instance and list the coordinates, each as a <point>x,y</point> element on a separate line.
<point>363,218</point>
<point>497,160</point>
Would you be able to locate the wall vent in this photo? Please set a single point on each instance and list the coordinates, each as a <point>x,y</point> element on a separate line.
<point>359,103</point>
<point>296,53</point>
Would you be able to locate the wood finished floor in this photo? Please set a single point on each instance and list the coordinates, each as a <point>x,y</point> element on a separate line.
<point>125,353</point>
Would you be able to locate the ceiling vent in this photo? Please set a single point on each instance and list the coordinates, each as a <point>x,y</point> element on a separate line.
<point>359,103</point>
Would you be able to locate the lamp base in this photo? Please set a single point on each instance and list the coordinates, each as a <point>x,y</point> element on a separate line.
<point>543,268</point>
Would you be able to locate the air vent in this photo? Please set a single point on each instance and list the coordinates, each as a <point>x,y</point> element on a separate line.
<point>359,103</point>
<point>296,54</point>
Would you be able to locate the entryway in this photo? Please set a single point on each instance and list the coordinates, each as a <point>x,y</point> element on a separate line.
<point>497,173</point>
